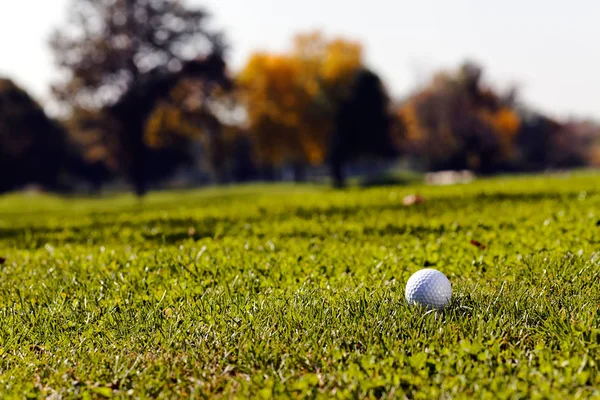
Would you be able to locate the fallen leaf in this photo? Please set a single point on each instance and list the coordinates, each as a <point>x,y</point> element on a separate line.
<point>478,244</point>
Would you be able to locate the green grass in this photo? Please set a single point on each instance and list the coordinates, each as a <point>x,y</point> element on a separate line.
<point>294,292</point>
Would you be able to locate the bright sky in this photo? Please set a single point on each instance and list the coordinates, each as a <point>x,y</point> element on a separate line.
<point>550,47</point>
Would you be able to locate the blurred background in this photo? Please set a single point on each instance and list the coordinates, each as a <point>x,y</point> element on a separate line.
<point>140,95</point>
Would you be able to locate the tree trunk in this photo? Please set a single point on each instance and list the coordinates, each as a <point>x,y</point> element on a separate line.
<point>337,173</point>
<point>269,173</point>
<point>138,160</point>
<point>299,172</point>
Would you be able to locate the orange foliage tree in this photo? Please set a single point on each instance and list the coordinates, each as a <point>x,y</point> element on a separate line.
<point>291,98</point>
<point>456,123</point>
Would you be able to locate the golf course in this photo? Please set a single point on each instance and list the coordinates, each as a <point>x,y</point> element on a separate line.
<point>298,291</point>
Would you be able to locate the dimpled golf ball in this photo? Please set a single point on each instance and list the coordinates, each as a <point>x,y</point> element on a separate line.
<point>429,288</point>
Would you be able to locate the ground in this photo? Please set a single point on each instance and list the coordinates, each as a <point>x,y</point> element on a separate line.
<point>298,291</point>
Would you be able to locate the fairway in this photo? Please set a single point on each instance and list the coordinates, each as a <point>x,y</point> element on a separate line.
<point>287,291</point>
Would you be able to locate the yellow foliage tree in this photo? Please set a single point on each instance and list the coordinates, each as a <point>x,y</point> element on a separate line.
<point>505,121</point>
<point>188,115</point>
<point>273,99</point>
<point>291,98</point>
<point>179,117</point>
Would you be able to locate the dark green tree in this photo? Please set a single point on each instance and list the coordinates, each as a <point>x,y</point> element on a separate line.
<point>363,125</point>
<point>33,147</point>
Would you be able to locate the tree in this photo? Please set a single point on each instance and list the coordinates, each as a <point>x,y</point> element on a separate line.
<point>123,56</point>
<point>363,125</point>
<point>291,98</point>
<point>458,123</point>
<point>33,147</point>
<point>274,99</point>
<point>87,131</point>
<point>544,142</point>
<point>186,120</point>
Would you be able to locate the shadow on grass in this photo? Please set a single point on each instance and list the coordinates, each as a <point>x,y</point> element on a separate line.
<point>158,230</point>
<point>391,179</point>
<point>177,230</point>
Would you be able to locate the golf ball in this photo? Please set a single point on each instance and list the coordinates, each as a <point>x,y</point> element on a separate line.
<point>428,287</point>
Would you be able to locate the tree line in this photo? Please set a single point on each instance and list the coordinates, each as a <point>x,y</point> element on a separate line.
<point>145,91</point>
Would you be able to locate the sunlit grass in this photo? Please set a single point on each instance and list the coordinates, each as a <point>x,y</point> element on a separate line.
<point>274,291</point>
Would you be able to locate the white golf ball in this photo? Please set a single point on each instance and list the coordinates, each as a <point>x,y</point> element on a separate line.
<point>428,287</point>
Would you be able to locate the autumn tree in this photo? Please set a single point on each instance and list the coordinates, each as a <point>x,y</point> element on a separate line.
<point>272,95</point>
<point>292,98</point>
<point>458,123</point>
<point>190,118</point>
<point>87,130</point>
<point>124,56</point>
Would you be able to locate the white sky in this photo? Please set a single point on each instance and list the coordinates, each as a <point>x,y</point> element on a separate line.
<point>550,47</point>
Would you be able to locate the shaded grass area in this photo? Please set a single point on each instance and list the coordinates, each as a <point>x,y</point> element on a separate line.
<point>295,292</point>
